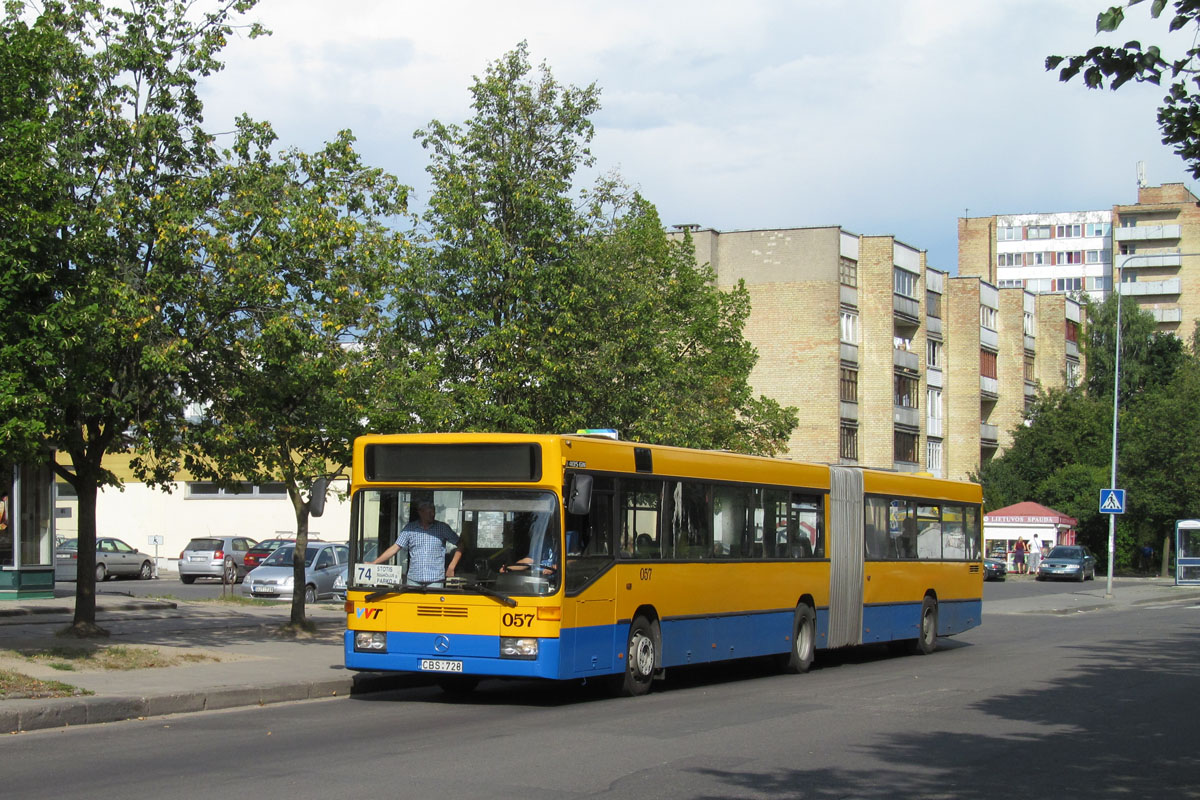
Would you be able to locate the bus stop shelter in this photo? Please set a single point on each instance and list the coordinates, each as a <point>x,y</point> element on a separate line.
<point>1028,520</point>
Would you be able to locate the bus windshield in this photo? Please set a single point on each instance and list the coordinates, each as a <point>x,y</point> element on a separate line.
<point>479,539</point>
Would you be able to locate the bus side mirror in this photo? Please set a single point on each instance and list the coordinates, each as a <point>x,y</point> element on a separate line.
<point>316,497</point>
<point>579,494</point>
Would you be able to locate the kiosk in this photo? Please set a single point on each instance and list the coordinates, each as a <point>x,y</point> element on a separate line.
<point>1187,552</point>
<point>26,531</point>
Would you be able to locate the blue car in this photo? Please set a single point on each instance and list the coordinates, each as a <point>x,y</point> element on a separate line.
<point>994,569</point>
<point>1073,562</point>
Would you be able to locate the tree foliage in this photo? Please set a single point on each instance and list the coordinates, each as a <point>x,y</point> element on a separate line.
<point>103,279</point>
<point>1106,65</point>
<point>302,262</point>
<point>550,308</point>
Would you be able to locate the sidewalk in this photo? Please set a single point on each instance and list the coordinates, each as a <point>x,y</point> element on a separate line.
<point>229,655</point>
<point>245,662</point>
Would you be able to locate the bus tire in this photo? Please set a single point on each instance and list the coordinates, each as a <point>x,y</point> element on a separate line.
<point>640,657</point>
<point>804,641</point>
<point>926,641</point>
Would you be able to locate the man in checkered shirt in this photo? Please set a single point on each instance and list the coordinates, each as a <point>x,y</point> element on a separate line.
<point>426,538</point>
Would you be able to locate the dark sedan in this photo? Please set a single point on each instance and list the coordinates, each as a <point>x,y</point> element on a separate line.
<point>1073,562</point>
<point>994,569</point>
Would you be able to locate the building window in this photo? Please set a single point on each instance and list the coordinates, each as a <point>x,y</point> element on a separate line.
<point>848,446</point>
<point>1067,285</point>
<point>1097,256</point>
<point>933,305</point>
<point>848,385</point>
<point>1072,331</point>
<point>933,353</point>
<point>848,271</point>
<point>241,489</point>
<point>1072,374</point>
<point>1011,283</point>
<point>987,317</point>
<point>933,456</point>
<point>905,448</point>
<point>905,390</point>
<point>1038,259</point>
<point>1037,232</point>
<point>1099,229</point>
<point>1030,324</point>
<point>933,404</point>
<point>987,363</point>
<point>1100,283</point>
<point>1068,231</point>
<point>849,326</point>
<point>1069,257</point>
<point>904,283</point>
<point>1009,260</point>
<point>1005,233</point>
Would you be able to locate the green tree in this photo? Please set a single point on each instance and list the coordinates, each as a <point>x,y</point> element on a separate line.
<point>103,280</point>
<point>302,260</point>
<point>1106,65</point>
<point>1149,357</point>
<point>552,308</point>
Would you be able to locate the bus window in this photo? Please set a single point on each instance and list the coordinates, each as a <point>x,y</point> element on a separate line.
<point>806,527</point>
<point>590,537</point>
<point>972,533</point>
<point>876,532</point>
<point>954,543</point>
<point>687,504</point>
<point>930,532</point>
<point>639,511</point>
<point>902,529</point>
<point>733,521</point>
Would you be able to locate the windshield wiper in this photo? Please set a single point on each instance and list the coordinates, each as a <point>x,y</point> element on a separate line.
<point>503,598</point>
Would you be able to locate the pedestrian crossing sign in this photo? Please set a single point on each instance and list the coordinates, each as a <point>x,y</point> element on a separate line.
<point>1112,501</point>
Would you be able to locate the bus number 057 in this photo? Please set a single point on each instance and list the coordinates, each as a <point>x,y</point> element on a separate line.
<point>644,573</point>
<point>517,620</point>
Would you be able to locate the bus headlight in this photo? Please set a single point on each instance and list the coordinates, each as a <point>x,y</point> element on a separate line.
<point>370,641</point>
<point>514,647</point>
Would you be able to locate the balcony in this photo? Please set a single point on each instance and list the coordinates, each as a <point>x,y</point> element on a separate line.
<point>1138,288</point>
<point>1166,314</point>
<point>934,426</point>
<point>989,338</point>
<point>989,386</point>
<point>1030,388</point>
<point>906,359</point>
<point>848,296</point>
<point>989,433</point>
<point>849,353</point>
<point>906,417</point>
<point>1030,343</point>
<point>906,307</point>
<point>1072,349</point>
<point>848,411</point>
<point>933,378</point>
<point>933,325</point>
<point>1136,260</point>
<point>1143,233</point>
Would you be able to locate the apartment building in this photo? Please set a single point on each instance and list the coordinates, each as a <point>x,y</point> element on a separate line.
<point>1153,246</point>
<point>892,363</point>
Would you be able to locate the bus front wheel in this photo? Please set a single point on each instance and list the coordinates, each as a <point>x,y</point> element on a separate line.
<point>804,641</point>
<point>640,657</point>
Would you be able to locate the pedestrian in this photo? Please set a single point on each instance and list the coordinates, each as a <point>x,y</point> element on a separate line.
<point>1019,556</point>
<point>1035,555</point>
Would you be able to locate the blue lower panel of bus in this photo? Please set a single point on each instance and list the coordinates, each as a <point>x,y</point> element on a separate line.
<point>698,640</point>
<point>479,655</point>
<point>883,623</point>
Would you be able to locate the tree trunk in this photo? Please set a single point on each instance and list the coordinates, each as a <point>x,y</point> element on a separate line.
<point>84,623</point>
<point>300,506</point>
<point>1166,562</point>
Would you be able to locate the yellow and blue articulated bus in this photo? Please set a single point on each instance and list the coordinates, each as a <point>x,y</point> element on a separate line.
<point>585,557</point>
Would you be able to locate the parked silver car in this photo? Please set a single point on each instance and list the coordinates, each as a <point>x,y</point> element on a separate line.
<point>113,558</point>
<point>324,563</point>
<point>221,557</point>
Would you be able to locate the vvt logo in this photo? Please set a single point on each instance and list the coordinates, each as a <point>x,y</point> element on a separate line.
<point>368,613</point>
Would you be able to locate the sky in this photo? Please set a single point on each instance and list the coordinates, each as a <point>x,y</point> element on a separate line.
<point>886,117</point>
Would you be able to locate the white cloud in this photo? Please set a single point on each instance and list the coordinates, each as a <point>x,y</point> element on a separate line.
<point>882,116</point>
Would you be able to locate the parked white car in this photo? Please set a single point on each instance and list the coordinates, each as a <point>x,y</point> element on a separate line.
<point>324,564</point>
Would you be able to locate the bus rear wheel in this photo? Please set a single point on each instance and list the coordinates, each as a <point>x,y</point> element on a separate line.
<point>804,641</point>
<point>640,658</point>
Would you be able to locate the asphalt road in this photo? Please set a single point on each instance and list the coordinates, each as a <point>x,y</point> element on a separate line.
<point>1095,705</point>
